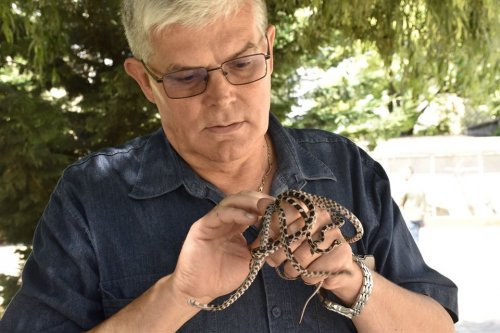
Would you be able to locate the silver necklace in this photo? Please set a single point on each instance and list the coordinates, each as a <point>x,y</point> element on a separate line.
<point>269,165</point>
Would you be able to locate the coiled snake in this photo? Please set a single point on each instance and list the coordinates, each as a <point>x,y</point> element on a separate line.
<point>267,246</point>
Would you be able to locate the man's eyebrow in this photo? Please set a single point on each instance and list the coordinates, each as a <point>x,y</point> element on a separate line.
<point>248,46</point>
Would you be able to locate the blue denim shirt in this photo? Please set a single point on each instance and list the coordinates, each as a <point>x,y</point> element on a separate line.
<point>116,222</point>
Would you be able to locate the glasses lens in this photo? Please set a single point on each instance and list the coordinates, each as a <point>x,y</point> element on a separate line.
<point>246,69</point>
<point>185,83</point>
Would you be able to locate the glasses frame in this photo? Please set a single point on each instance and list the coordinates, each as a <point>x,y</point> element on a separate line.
<point>162,78</point>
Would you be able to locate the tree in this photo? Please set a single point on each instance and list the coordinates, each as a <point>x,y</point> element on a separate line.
<point>414,55</point>
<point>63,92</point>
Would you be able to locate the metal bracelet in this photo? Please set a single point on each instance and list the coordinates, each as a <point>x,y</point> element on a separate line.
<point>362,298</point>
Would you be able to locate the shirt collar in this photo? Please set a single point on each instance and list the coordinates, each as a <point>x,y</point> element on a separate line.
<point>162,170</point>
<point>296,164</point>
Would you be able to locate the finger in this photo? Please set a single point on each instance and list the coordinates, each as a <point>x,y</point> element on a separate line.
<point>302,257</point>
<point>263,203</point>
<point>325,238</point>
<point>227,215</point>
<point>289,220</point>
<point>322,235</point>
<point>335,264</point>
<point>278,257</point>
<point>239,208</point>
<point>269,224</point>
<point>248,199</point>
<point>290,215</point>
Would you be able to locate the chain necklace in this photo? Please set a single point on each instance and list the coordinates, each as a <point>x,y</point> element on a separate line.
<point>269,165</point>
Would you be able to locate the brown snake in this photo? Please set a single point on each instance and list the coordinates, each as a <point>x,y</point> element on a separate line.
<point>267,246</point>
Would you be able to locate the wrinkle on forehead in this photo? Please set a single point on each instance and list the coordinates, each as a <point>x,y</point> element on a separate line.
<point>249,48</point>
<point>178,46</point>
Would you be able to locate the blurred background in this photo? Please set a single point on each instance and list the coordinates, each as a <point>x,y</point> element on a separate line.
<point>414,82</point>
<point>459,177</point>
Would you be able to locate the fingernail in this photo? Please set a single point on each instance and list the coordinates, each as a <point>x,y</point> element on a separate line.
<point>250,216</point>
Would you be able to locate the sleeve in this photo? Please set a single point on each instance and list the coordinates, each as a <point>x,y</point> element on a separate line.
<point>396,254</point>
<point>59,291</point>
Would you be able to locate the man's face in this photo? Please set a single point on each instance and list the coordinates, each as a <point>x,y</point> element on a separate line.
<point>225,122</point>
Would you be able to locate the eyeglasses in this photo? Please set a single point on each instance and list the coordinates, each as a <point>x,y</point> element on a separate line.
<point>192,82</point>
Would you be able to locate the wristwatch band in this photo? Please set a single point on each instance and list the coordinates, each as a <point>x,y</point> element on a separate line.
<point>362,298</point>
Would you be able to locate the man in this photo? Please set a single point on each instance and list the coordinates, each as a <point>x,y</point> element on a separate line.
<point>133,234</point>
<point>413,204</point>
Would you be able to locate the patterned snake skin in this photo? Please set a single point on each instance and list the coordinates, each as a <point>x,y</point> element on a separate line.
<point>298,200</point>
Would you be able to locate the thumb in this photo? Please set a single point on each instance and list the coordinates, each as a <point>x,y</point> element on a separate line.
<point>263,203</point>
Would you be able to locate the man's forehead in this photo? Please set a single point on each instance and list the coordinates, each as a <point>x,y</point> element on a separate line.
<point>179,47</point>
<point>226,32</point>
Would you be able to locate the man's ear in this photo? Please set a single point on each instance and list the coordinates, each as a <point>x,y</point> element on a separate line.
<point>271,33</point>
<point>135,69</point>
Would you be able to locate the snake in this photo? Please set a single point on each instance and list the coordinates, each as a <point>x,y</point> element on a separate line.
<point>306,204</point>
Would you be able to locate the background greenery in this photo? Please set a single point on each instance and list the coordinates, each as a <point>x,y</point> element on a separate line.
<point>382,65</point>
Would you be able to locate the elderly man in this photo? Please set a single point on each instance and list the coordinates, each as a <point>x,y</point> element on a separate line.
<point>133,237</point>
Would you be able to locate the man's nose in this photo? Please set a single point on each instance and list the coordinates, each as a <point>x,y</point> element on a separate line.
<point>217,85</point>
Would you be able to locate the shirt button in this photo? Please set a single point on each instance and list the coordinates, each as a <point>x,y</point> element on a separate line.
<point>276,312</point>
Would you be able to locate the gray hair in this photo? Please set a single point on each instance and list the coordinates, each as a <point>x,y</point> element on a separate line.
<point>141,17</point>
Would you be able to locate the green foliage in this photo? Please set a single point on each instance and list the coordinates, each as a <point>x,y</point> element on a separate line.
<point>77,46</point>
<point>419,53</point>
<point>35,146</point>
<point>385,64</point>
<point>9,285</point>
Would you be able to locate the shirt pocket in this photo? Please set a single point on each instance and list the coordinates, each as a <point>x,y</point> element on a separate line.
<point>116,294</point>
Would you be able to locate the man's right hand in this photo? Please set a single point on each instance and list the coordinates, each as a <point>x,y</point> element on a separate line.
<point>214,261</point>
<point>215,257</point>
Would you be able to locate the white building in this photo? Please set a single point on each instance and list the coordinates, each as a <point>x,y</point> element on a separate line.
<point>460,175</point>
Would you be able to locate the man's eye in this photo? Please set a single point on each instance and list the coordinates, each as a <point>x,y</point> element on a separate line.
<point>241,64</point>
<point>185,77</point>
<point>188,78</point>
